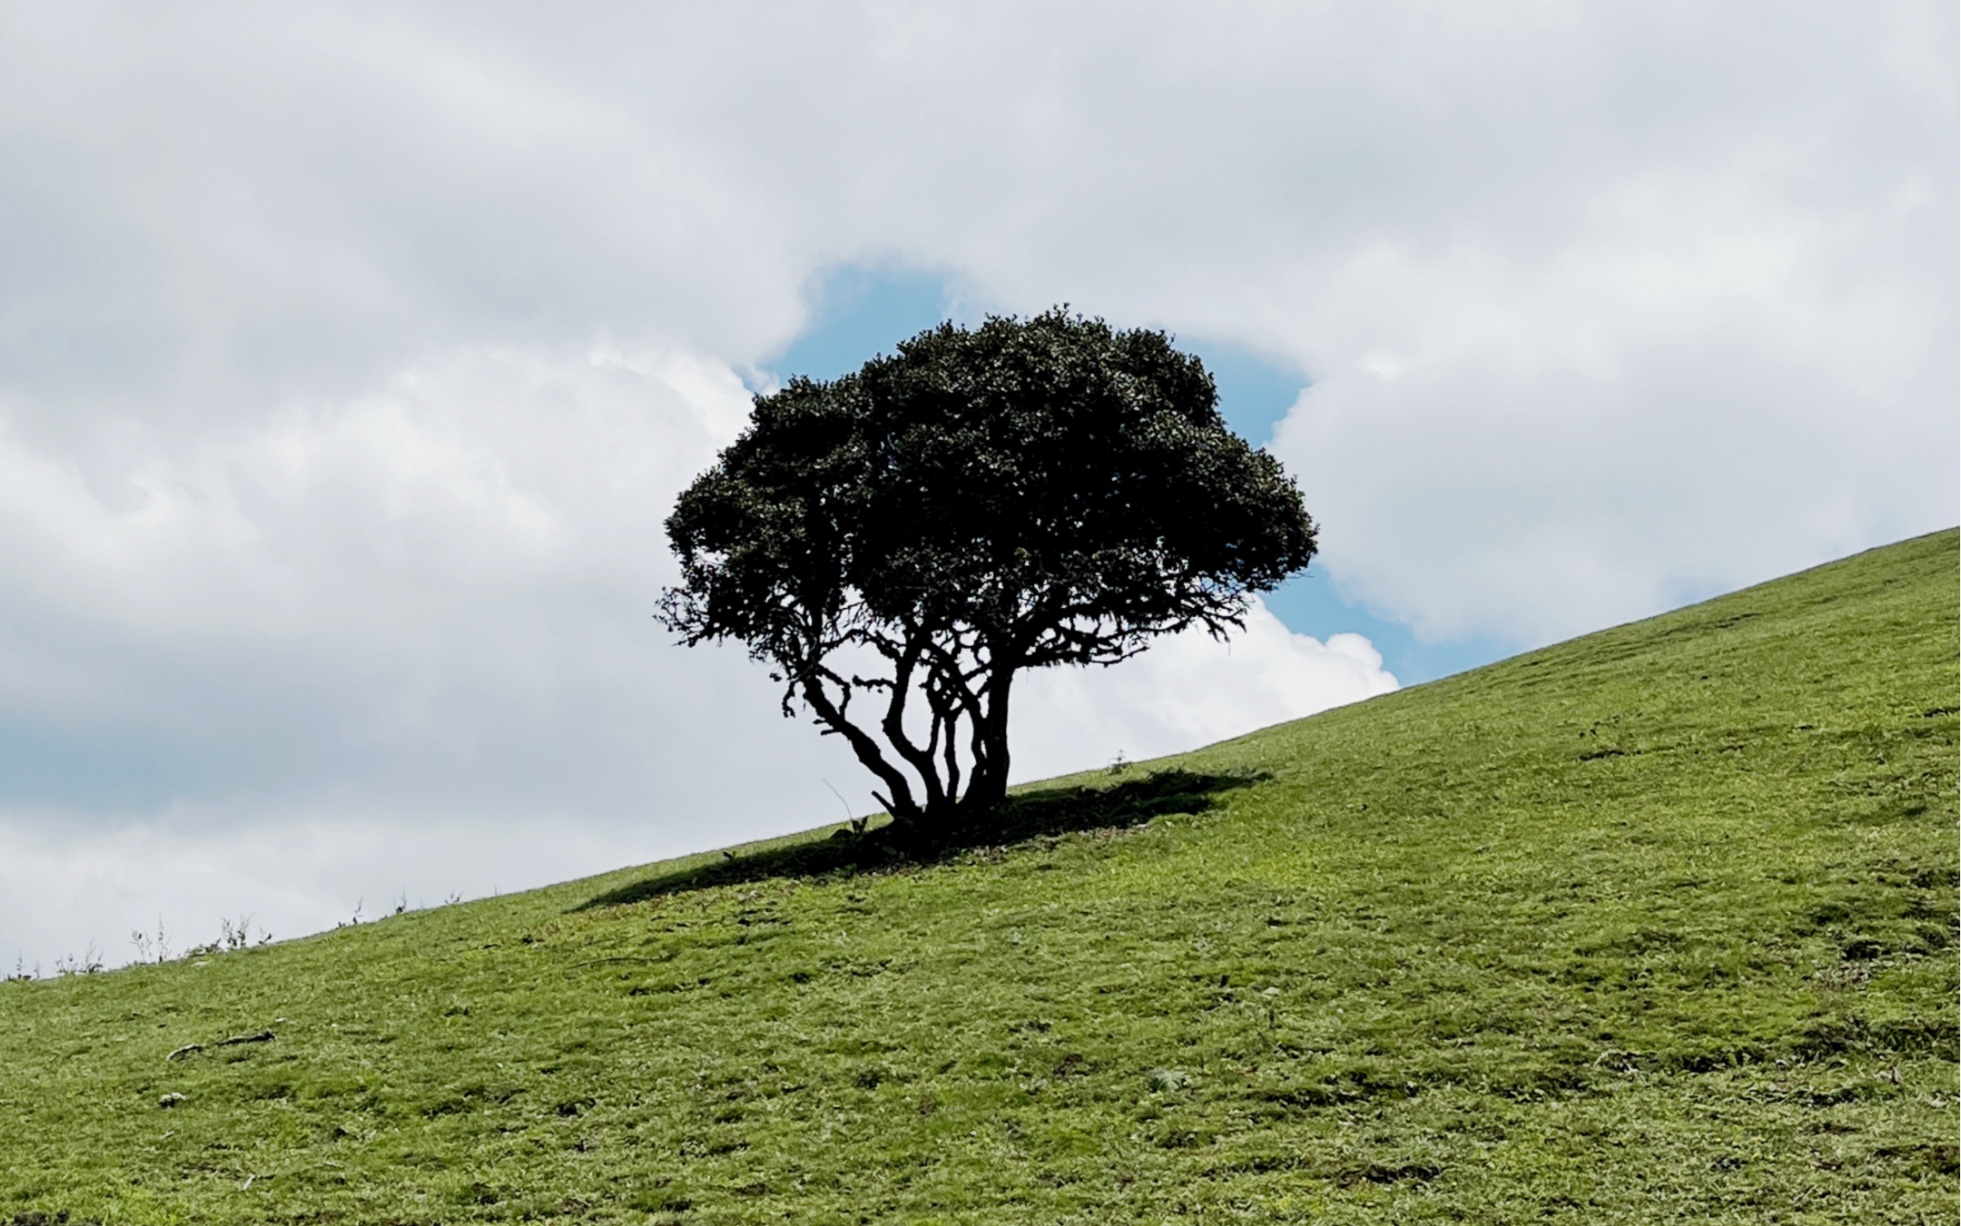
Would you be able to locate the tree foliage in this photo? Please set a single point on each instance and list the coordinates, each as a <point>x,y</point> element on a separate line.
<point>900,542</point>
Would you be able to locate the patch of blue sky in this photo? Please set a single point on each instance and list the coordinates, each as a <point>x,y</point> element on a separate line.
<point>860,310</point>
<point>1256,392</point>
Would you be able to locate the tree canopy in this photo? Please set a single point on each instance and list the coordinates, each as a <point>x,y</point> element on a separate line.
<point>900,542</point>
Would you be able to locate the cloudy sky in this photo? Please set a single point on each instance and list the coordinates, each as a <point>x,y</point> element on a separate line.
<point>351,355</point>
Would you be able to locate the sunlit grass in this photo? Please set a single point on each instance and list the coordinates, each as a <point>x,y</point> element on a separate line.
<point>1656,925</point>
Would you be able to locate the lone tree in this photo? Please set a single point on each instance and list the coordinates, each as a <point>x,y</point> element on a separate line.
<point>899,543</point>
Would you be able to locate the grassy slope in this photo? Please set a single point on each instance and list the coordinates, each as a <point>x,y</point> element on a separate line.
<point>1655,924</point>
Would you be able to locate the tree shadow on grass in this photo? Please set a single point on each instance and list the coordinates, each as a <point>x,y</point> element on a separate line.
<point>1022,817</point>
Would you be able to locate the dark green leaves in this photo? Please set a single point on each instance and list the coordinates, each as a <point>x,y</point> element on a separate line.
<point>1023,494</point>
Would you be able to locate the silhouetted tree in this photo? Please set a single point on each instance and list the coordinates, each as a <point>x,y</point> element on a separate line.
<point>908,538</point>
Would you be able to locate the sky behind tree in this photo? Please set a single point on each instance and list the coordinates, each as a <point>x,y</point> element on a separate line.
<point>351,355</point>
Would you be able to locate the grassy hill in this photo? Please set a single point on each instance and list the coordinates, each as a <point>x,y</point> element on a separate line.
<point>1658,924</point>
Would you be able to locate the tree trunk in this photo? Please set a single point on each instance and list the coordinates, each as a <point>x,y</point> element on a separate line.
<point>989,784</point>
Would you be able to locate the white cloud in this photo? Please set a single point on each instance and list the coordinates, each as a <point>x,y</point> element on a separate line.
<point>444,585</point>
<point>1626,426</point>
<point>1186,691</point>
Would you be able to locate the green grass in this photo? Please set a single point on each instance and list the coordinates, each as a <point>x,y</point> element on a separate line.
<point>1654,925</point>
